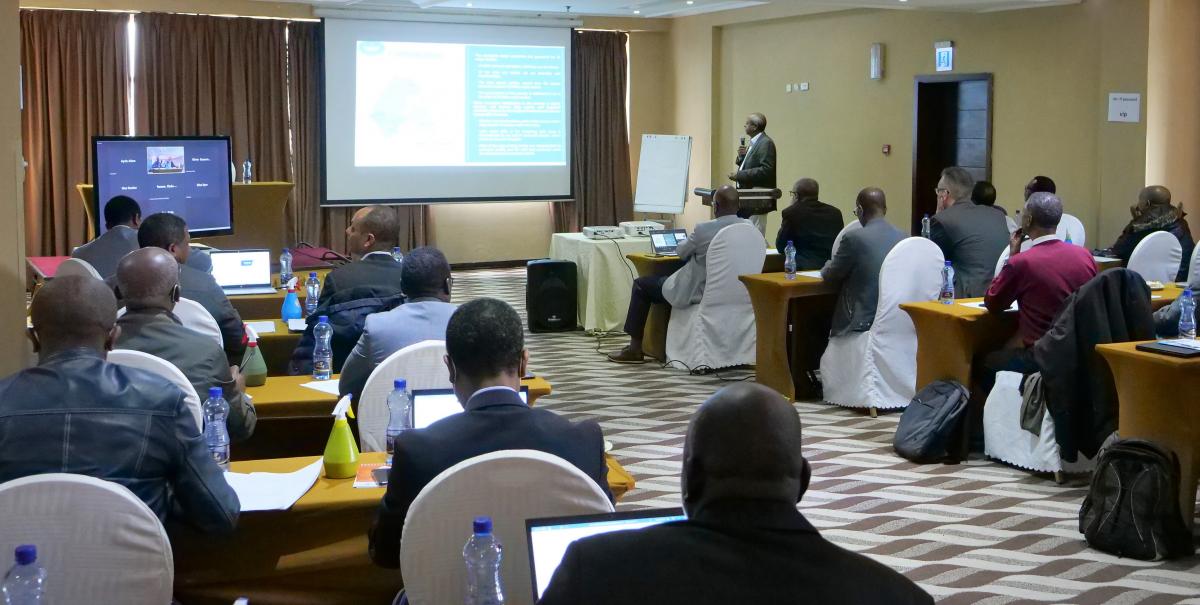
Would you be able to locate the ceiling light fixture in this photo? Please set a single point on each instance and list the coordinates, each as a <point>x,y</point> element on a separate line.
<point>637,12</point>
<point>691,2</point>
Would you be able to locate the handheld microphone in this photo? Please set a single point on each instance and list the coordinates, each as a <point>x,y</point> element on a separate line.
<point>743,141</point>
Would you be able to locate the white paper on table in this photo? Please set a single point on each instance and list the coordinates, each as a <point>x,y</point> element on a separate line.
<point>980,305</point>
<point>272,491</point>
<point>297,325</point>
<point>1104,259</point>
<point>1183,343</point>
<point>324,386</point>
<point>812,274</point>
<point>261,327</point>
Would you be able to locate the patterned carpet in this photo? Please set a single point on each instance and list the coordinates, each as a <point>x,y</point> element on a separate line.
<point>978,532</point>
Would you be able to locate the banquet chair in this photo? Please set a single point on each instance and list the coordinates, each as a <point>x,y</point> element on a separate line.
<point>77,266</point>
<point>837,240</point>
<point>1070,227</point>
<point>421,365</point>
<point>1157,257</point>
<point>157,365</point>
<point>194,316</point>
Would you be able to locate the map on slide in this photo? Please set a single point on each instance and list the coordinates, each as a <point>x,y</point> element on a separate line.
<point>427,104</point>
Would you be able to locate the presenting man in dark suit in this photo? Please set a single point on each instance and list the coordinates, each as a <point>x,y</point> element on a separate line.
<point>971,237</point>
<point>856,264</point>
<point>810,224</point>
<point>372,234</point>
<point>743,541</point>
<point>756,165</point>
<point>485,352</point>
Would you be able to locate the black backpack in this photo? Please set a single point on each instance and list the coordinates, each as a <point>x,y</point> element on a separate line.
<point>1132,507</point>
<point>933,426</point>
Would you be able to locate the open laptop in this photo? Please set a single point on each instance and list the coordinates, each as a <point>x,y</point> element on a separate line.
<point>431,405</point>
<point>666,241</point>
<point>549,537</point>
<point>242,271</point>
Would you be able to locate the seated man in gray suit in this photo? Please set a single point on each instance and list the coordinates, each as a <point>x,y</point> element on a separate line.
<point>149,281</point>
<point>170,232</point>
<point>856,263</point>
<point>971,237</point>
<point>425,279</point>
<point>121,218</point>
<point>684,287</point>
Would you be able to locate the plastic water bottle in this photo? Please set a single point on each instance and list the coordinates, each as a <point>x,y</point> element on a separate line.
<point>397,255</point>
<point>285,267</point>
<point>323,351</point>
<point>247,171</point>
<point>216,433</point>
<point>1187,314</point>
<point>946,295</point>
<point>482,555</point>
<point>291,306</point>
<point>399,413</point>
<point>25,581</point>
<point>925,228</point>
<point>789,260</point>
<point>312,293</point>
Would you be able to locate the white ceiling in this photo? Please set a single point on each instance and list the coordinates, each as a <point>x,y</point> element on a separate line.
<point>667,8</point>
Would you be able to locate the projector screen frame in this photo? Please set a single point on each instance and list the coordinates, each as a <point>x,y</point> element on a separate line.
<point>98,208</point>
<point>325,202</point>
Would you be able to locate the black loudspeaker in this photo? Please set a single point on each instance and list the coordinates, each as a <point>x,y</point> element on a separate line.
<point>550,291</point>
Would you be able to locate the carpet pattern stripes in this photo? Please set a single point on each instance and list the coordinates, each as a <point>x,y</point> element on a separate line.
<point>978,532</point>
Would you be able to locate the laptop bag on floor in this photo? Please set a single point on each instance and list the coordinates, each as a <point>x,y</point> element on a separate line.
<point>929,425</point>
<point>1132,508</point>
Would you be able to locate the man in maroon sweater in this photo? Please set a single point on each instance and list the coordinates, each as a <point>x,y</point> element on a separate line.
<point>1038,280</point>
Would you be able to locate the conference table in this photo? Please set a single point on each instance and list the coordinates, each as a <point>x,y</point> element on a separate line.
<point>313,553</point>
<point>810,301</point>
<point>1155,395</point>
<point>276,346</point>
<point>263,306</point>
<point>294,420</point>
<point>604,276</point>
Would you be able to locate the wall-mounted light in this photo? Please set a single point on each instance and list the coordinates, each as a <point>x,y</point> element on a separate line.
<point>877,61</point>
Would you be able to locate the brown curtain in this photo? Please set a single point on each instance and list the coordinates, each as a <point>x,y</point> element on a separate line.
<point>599,138</point>
<point>306,220</point>
<point>76,69</point>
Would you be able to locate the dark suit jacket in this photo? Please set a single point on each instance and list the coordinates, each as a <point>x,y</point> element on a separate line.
<point>730,551</point>
<point>202,288</point>
<point>811,226</point>
<point>972,238</point>
<point>493,421</point>
<point>856,267</point>
<point>759,167</point>
<point>379,270</point>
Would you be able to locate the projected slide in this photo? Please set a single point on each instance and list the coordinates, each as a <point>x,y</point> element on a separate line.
<point>434,104</point>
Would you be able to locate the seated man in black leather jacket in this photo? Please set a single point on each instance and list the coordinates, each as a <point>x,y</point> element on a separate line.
<point>76,413</point>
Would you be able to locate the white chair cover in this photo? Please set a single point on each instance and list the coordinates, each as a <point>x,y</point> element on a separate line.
<point>164,368</point>
<point>1157,257</point>
<point>1005,440</point>
<point>508,486</point>
<point>878,368</point>
<point>77,266</point>
<point>719,331</point>
<point>1012,225</point>
<point>421,364</point>
<point>837,241</point>
<point>1071,226</point>
<point>98,542</point>
<point>193,315</point>
<point>1025,245</point>
<point>1194,268</point>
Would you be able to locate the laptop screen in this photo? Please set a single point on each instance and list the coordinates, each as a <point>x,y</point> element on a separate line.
<point>549,538</point>
<point>234,268</point>
<point>666,241</point>
<point>432,405</point>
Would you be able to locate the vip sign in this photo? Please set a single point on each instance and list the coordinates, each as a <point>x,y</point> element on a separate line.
<point>943,56</point>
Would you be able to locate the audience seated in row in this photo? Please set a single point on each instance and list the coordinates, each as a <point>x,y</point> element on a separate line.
<point>122,216</point>
<point>1153,212</point>
<point>743,541</point>
<point>855,265</point>
<point>810,224</point>
<point>149,281</point>
<point>971,236</point>
<point>486,357</point>
<point>425,278</point>
<point>685,286</point>
<point>76,413</point>
<point>170,232</point>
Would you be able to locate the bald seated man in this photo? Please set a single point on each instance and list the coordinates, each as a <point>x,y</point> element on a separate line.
<point>149,280</point>
<point>372,234</point>
<point>77,413</point>
<point>744,541</point>
<point>683,288</point>
<point>1154,212</point>
<point>810,224</point>
<point>856,263</point>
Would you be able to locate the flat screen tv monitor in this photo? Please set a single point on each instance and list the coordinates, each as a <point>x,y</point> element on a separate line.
<point>187,176</point>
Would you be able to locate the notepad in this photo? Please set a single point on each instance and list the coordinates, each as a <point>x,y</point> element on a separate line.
<point>261,327</point>
<point>297,325</point>
<point>812,274</point>
<point>272,491</point>
<point>324,386</point>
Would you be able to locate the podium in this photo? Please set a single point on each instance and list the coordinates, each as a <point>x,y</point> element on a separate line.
<point>750,201</point>
<point>257,216</point>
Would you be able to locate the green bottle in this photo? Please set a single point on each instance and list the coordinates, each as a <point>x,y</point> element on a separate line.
<point>341,452</point>
<point>254,367</point>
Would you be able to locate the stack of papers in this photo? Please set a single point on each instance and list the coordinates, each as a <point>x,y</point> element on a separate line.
<point>272,491</point>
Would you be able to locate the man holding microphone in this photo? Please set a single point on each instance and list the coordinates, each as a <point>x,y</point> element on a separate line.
<point>756,165</point>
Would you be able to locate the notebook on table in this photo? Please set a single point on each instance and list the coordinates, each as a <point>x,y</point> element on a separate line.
<point>242,271</point>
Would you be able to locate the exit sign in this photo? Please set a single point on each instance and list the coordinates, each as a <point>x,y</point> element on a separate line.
<point>943,56</point>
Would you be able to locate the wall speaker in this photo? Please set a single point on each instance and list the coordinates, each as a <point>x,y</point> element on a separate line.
<point>550,292</point>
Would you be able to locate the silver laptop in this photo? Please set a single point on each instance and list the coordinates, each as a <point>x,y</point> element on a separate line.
<point>549,537</point>
<point>666,241</point>
<point>242,271</point>
<point>431,405</point>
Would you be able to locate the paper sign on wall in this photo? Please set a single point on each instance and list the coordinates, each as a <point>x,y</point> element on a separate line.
<point>1124,107</point>
<point>943,56</point>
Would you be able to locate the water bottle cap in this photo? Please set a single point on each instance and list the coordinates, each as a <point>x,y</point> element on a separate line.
<point>27,553</point>
<point>1187,291</point>
<point>323,319</point>
<point>214,392</point>
<point>312,273</point>
<point>400,384</point>
<point>252,343</point>
<point>482,525</point>
<point>947,263</point>
<point>285,250</point>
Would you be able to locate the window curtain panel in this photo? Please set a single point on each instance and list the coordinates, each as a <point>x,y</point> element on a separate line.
<point>306,220</point>
<point>599,137</point>
<point>75,73</point>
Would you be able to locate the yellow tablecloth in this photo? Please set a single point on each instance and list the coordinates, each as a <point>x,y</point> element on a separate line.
<point>276,347</point>
<point>811,301</point>
<point>605,276</point>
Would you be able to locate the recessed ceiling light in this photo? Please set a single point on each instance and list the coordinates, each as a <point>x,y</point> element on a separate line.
<point>636,12</point>
<point>691,2</point>
<point>469,5</point>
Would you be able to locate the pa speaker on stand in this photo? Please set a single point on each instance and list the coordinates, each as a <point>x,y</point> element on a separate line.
<point>550,291</point>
